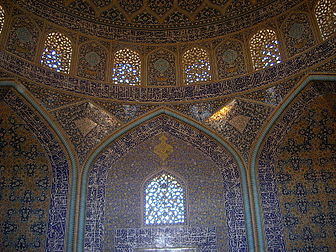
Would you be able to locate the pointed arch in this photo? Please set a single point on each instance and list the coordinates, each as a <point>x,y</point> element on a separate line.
<point>57,52</point>
<point>168,119</point>
<point>230,58</point>
<point>272,240</point>
<point>264,48</point>
<point>92,60</point>
<point>62,205</point>
<point>23,37</point>
<point>297,32</point>
<point>161,68</point>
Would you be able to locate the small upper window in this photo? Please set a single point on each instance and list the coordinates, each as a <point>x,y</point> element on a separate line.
<point>164,201</point>
<point>2,18</point>
<point>325,12</point>
<point>196,66</point>
<point>57,52</point>
<point>127,67</point>
<point>264,47</point>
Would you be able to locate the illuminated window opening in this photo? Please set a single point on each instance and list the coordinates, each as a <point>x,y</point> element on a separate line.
<point>2,18</point>
<point>325,12</point>
<point>164,198</point>
<point>265,49</point>
<point>57,52</point>
<point>196,66</point>
<point>127,67</point>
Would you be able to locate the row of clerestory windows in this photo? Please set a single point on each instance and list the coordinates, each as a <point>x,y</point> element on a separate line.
<point>264,49</point>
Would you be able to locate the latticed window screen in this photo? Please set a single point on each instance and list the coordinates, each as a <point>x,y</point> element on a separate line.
<point>264,47</point>
<point>196,66</point>
<point>325,12</point>
<point>127,67</point>
<point>164,201</point>
<point>2,18</point>
<point>57,52</point>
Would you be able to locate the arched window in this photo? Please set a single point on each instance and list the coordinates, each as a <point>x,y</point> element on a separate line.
<point>2,18</point>
<point>196,66</point>
<point>264,47</point>
<point>57,52</point>
<point>164,201</point>
<point>325,12</point>
<point>127,67</point>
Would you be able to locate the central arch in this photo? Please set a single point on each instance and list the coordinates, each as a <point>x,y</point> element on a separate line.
<point>215,146</point>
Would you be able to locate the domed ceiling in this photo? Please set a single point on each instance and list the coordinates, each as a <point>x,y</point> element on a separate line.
<point>157,21</point>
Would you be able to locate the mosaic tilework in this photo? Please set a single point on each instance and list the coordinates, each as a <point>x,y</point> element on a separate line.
<point>95,209</point>
<point>199,173</point>
<point>48,98</point>
<point>242,15</point>
<point>230,59</point>
<point>86,124</point>
<point>24,186</point>
<point>126,112</point>
<point>283,199</point>
<point>167,94</point>
<point>304,170</point>
<point>275,94</point>
<point>298,34</point>
<point>59,182</point>
<point>200,111</point>
<point>161,68</point>
<point>250,114</point>
<point>23,38</point>
<point>202,239</point>
<point>92,61</point>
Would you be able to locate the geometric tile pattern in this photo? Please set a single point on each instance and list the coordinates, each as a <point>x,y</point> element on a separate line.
<point>297,196</point>
<point>241,123</point>
<point>203,239</point>
<point>58,182</point>
<point>86,125</point>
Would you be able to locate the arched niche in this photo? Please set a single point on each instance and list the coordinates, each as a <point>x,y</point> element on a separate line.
<point>287,174</point>
<point>23,37</point>
<point>124,160</point>
<point>161,68</point>
<point>40,209</point>
<point>92,61</point>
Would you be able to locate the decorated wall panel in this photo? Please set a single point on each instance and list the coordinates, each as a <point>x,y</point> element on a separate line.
<point>298,33</point>
<point>161,68</point>
<point>23,37</point>
<point>25,186</point>
<point>230,59</point>
<point>33,180</point>
<point>92,61</point>
<point>296,174</point>
<point>215,212</point>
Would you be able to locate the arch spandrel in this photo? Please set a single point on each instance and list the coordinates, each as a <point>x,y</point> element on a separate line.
<point>96,176</point>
